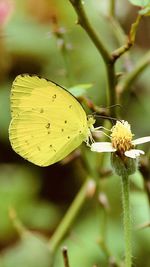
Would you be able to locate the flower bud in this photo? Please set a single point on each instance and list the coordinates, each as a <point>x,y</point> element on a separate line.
<point>123,165</point>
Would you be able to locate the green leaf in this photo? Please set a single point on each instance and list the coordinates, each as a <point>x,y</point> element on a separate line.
<point>143,3</point>
<point>145,11</point>
<point>79,89</point>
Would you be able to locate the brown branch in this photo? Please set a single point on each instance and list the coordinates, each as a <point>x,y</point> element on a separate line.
<point>130,40</point>
<point>65,256</point>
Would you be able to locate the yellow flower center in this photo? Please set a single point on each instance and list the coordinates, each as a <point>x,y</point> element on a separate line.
<point>121,136</point>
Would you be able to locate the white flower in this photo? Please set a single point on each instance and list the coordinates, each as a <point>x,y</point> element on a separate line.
<point>121,141</point>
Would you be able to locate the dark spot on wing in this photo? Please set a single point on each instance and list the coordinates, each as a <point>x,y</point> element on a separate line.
<point>70,106</point>
<point>65,121</point>
<point>68,137</point>
<point>48,125</point>
<point>41,110</point>
<point>62,130</point>
<point>51,146</point>
<point>53,97</point>
<point>80,132</point>
<point>48,132</point>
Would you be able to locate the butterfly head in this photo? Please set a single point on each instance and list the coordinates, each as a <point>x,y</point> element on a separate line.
<point>90,121</point>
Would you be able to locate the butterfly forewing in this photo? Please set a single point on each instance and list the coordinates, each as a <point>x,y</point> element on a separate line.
<point>47,121</point>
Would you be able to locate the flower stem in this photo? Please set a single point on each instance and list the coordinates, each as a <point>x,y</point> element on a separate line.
<point>69,217</point>
<point>112,8</point>
<point>127,220</point>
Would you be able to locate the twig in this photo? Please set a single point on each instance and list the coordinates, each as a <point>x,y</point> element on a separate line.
<point>83,21</point>
<point>145,170</point>
<point>70,216</point>
<point>131,76</point>
<point>130,40</point>
<point>65,257</point>
<point>59,33</point>
<point>108,59</point>
<point>121,38</point>
<point>18,225</point>
<point>143,226</point>
<point>112,8</point>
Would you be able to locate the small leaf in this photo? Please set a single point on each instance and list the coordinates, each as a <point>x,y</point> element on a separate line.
<point>142,3</point>
<point>79,89</point>
<point>145,11</point>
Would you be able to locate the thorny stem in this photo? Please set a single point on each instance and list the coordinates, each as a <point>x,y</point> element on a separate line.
<point>69,217</point>
<point>127,220</point>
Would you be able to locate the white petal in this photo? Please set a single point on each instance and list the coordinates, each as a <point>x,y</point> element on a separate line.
<point>141,140</point>
<point>134,153</point>
<point>102,147</point>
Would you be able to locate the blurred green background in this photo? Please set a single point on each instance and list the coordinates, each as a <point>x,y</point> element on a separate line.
<point>41,37</point>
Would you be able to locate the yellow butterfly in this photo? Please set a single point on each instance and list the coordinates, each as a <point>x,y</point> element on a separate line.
<point>47,121</point>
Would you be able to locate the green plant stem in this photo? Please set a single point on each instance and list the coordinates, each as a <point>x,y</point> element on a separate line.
<point>62,45</point>
<point>18,225</point>
<point>67,64</point>
<point>111,91</point>
<point>130,40</point>
<point>69,217</point>
<point>121,50</point>
<point>112,8</point>
<point>127,220</point>
<point>84,22</point>
<point>108,59</point>
<point>117,30</point>
<point>131,76</point>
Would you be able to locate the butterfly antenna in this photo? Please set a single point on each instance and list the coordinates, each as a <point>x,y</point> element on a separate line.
<point>105,117</point>
<point>115,105</point>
